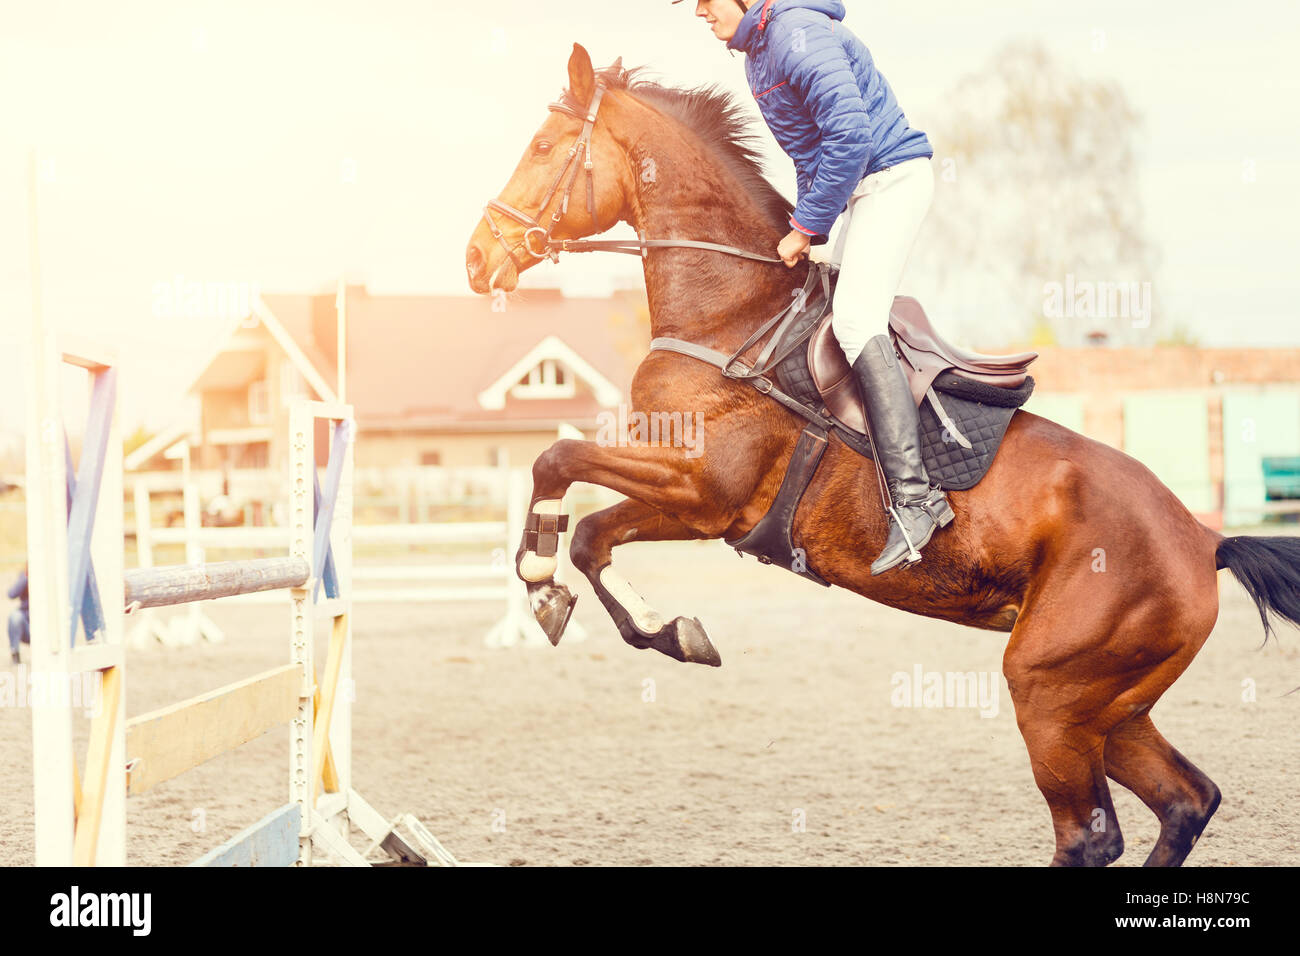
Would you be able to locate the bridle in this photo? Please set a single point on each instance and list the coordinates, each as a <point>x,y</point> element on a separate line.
<point>546,247</point>
<point>532,227</point>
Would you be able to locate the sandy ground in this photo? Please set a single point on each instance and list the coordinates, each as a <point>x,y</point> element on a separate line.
<point>595,753</point>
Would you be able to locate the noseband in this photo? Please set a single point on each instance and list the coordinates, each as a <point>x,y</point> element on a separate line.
<point>546,247</point>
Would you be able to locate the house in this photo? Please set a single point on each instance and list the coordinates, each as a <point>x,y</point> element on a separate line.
<point>435,380</point>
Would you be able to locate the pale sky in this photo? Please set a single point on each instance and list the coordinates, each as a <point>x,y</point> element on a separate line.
<point>214,141</point>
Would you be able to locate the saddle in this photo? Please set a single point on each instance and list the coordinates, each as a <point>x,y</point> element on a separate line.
<point>924,353</point>
<point>960,431</point>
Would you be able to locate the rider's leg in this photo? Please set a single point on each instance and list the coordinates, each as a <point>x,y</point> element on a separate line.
<point>918,508</point>
<point>887,210</point>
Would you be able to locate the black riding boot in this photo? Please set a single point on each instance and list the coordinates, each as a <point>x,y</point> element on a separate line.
<point>919,508</point>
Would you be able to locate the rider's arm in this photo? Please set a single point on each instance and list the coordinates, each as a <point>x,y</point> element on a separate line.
<point>820,73</point>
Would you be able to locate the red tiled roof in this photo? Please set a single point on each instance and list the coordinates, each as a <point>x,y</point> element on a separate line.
<point>421,361</point>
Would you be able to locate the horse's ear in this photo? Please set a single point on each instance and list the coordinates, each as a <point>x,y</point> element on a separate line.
<point>582,78</point>
<point>616,67</point>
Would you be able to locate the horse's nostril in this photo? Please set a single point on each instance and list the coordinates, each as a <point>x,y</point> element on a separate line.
<point>475,263</point>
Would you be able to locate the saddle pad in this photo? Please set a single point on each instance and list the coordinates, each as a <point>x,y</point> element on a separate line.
<point>951,466</point>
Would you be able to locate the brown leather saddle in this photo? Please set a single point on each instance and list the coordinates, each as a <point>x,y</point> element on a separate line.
<point>924,355</point>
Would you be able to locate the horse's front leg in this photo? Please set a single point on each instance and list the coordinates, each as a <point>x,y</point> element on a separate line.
<point>682,639</point>
<point>667,483</point>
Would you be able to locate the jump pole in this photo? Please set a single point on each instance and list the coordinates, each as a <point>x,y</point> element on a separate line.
<point>166,587</point>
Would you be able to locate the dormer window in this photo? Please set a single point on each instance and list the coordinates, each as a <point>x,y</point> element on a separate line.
<point>550,369</point>
<point>547,379</point>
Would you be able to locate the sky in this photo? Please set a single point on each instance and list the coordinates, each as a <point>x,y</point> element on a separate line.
<point>280,146</point>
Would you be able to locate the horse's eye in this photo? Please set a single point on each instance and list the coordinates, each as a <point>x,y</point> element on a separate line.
<point>541,147</point>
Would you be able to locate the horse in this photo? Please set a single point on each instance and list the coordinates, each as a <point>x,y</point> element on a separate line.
<point>1105,582</point>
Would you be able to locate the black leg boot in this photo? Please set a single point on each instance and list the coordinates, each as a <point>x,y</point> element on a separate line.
<point>919,508</point>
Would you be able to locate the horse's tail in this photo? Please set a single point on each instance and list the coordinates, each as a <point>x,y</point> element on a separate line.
<point>1269,570</point>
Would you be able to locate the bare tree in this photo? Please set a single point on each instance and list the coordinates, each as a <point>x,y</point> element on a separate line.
<point>1036,230</point>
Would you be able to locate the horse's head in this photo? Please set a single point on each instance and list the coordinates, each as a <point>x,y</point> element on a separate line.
<point>568,184</point>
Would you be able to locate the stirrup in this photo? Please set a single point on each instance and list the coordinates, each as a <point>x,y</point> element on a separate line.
<point>913,555</point>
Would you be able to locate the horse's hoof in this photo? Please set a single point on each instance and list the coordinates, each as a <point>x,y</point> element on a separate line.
<point>552,605</point>
<point>685,640</point>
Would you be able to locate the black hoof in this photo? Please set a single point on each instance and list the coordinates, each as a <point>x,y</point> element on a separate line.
<point>552,605</point>
<point>685,640</point>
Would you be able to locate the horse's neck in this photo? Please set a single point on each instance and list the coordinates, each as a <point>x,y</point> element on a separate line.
<point>709,298</point>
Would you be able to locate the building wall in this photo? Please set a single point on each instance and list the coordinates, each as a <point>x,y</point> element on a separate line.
<point>1106,370</point>
<point>1258,423</point>
<point>1168,431</point>
<point>230,408</point>
<point>385,449</point>
<point>227,408</point>
<point>219,409</point>
<point>1172,409</point>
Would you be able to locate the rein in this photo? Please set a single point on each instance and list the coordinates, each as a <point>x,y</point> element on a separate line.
<point>550,248</point>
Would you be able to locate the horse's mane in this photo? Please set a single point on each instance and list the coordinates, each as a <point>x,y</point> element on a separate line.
<point>720,123</point>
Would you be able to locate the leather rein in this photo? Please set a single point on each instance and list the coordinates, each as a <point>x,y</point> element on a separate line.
<point>546,247</point>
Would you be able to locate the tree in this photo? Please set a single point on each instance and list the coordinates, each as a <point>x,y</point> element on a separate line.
<point>1036,229</point>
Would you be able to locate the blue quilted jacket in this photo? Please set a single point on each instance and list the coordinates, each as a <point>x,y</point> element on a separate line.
<point>827,105</point>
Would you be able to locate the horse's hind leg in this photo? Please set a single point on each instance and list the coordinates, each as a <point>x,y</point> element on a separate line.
<point>1058,712</point>
<point>640,625</point>
<point>1068,768</point>
<point>1083,676</point>
<point>1180,795</point>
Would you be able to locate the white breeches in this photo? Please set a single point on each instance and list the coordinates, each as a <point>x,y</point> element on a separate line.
<point>880,225</point>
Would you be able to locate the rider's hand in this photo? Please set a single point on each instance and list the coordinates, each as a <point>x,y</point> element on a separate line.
<point>794,247</point>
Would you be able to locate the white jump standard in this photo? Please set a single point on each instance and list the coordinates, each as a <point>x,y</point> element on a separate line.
<point>76,546</point>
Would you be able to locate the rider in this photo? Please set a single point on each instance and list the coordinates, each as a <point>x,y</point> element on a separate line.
<point>831,110</point>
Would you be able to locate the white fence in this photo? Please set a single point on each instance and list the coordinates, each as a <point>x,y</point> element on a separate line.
<point>419,562</point>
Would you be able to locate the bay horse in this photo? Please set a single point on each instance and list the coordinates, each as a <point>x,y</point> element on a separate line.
<point>1105,582</point>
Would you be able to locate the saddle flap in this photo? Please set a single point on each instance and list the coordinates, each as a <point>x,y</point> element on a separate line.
<point>834,378</point>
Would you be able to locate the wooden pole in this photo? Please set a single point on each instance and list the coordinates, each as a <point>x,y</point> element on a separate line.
<point>99,772</point>
<point>182,584</point>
